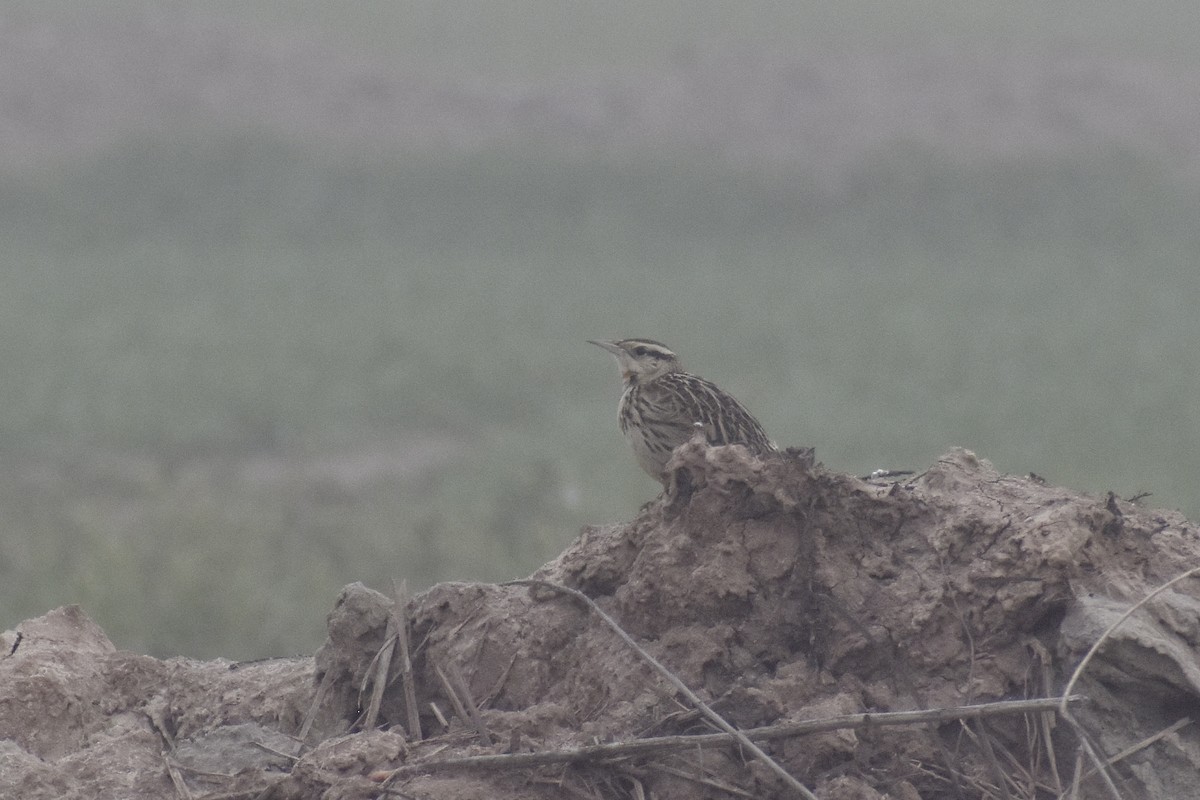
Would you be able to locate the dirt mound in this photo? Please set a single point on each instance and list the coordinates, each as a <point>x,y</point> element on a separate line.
<point>778,592</point>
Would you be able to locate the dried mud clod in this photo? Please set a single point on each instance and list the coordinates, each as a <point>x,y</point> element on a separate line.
<point>782,592</point>
<point>778,592</point>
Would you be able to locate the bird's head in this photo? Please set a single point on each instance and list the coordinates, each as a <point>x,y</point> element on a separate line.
<point>641,360</point>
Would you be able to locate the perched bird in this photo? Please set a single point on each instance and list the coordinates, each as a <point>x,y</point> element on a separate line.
<point>663,406</point>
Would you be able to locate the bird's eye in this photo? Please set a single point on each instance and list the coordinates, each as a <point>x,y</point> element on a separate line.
<point>640,351</point>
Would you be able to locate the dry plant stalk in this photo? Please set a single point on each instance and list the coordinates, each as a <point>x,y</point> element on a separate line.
<point>437,712</point>
<point>464,692</point>
<point>181,788</point>
<point>317,702</point>
<point>667,744</point>
<point>383,661</point>
<point>1143,744</point>
<point>1101,765</point>
<point>1108,632</point>
<point>460,697</point>
<point>407,680</point>
<point>674,680</point>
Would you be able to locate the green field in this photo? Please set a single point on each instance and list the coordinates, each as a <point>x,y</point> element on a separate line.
<point>241,371</point>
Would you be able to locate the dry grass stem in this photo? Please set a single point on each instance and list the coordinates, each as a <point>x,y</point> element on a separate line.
<point>667,744</point>
<point>1101,764</point>
<point>1108,632</point>
<point>463,690</point>
<point>437,712</point>
<point>274,752</point>
<point>407,679</point>
<point>671,678</point>
<point>317,701</point>
<point>984,739</point>
<point>181,788</point>
<point>703,781</point>
<point>382,663</point>
<point>1144,743</point>
<point>456,692</point>
<point>499,685</point>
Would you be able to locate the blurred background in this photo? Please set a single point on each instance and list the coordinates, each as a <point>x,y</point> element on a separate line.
<point>296,293</point>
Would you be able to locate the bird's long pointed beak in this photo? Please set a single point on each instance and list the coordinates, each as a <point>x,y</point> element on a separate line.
<point>609,346</point>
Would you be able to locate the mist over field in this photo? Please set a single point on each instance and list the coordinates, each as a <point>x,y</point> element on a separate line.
<point>293,298</point>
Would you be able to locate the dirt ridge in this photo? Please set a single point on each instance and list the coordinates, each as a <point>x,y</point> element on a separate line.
<point>776,590</point>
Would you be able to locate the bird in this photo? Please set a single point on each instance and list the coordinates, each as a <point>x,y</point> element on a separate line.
<point>663,406</point>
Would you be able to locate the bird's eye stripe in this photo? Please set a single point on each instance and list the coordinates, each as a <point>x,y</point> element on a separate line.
<point>641,351</point>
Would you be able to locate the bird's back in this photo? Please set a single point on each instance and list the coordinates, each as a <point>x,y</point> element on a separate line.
<point>662,414</point>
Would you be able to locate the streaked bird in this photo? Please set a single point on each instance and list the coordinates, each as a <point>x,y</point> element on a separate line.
<point>663,406</point>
